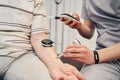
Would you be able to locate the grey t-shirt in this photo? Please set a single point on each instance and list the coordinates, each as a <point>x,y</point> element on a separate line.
<point>106,16</point>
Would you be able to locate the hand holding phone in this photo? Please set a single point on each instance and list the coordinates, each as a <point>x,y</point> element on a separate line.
<point>68,16</point>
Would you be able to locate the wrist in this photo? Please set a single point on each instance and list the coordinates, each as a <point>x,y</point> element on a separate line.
<point>54,62</point>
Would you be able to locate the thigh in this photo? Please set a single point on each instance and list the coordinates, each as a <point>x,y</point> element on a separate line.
<point>28,67</point>
<point>102,71</point>
<point>5,62</point>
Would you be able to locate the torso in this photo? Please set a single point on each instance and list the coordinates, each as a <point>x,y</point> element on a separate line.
<point>15,21</point>
<point>106,15</point>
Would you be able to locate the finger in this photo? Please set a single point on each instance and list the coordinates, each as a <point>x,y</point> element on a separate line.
<point>72,77</point>
<point>73,24</point>
<point>74,46</point>
<point>76,16</point>
<point>69,76</point>
<point>78,74</point>
<point>74,73</point>
<point>62,19</point>
<point>74,55</point>
<point>73,50</point>
<point>68,21</point>
<point>57,77</point>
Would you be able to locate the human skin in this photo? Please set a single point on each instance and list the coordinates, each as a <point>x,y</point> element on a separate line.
<point>81,52</point>
<point>57,69</point>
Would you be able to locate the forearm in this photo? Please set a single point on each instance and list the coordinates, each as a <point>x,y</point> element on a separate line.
<point>86,29</point>
<point>46,54</point>
<point>85,32</point>
<point>110,53</point>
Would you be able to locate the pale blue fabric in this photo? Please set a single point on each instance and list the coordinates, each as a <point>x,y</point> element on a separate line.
<point>106,15</point>
<point>103,71</point>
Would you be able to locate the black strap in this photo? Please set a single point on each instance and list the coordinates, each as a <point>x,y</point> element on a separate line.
<point>96,57</point>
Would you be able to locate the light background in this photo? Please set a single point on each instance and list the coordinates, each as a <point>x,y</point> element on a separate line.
<point>60,33</point>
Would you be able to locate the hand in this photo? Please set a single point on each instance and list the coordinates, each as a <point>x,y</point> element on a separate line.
<point>65,72</point>
<point>71,23</point>
<point>80,53</point>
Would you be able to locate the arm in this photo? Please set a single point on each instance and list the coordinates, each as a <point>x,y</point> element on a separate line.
<point>85,55</point>
<point>39,30</point>
<point>110,53</point>
<point>57,69</point>
<point>44,52</point>
<point>86,29</point>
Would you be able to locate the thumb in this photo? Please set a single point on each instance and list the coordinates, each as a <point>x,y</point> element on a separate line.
<point>75,15</point>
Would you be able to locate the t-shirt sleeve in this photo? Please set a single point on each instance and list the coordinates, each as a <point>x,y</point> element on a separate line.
<point>84,14</point>
<point>40,22</point>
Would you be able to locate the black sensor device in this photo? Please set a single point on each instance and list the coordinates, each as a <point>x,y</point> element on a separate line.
<point>47,43</point>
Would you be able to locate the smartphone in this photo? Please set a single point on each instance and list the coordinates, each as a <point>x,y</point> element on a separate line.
<point>75,41</point>
<point>66,15</point>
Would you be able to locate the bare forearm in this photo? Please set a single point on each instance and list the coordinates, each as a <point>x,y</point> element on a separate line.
<point>86,29</point>
<point>46,54</point>
<point>110,53</point>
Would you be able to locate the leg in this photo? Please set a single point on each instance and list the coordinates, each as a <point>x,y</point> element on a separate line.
<point>102,71</point>
<point>28,67</point>
<point>4,65</point>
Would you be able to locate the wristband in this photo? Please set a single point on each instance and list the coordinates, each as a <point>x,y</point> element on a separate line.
<point>96,57</point>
